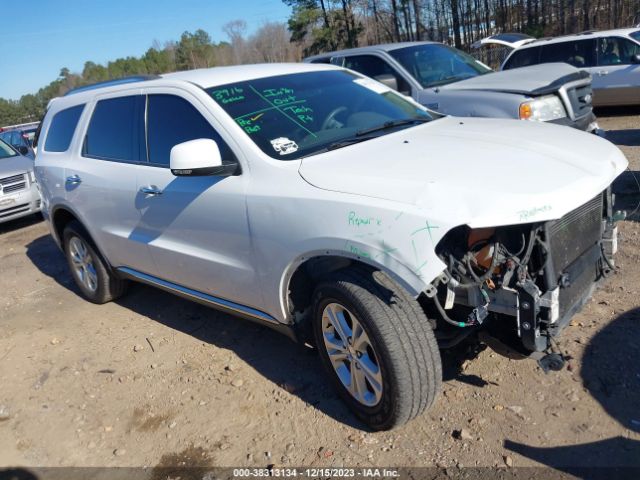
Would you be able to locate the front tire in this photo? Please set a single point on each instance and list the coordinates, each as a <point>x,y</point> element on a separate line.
<point>95,281</point>
<point>377,347</point>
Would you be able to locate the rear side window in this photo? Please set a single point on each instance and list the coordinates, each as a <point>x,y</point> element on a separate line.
<point>579,53</point>
<point>61,129</point>
<point>172,120</point>
<point>114,130</point>
<point>523,58</point>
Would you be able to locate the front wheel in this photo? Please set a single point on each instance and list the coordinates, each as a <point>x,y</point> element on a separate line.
<point>377,347</point>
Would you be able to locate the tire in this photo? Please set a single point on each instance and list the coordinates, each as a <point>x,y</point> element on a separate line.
<point>90,272</point>
<point>400,347</point>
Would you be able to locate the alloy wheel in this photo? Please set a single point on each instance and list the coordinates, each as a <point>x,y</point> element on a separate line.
<point>351,354</point>
<point>83,266</point>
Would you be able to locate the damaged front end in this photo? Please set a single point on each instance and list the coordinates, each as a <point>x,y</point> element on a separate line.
<point>520,285</point>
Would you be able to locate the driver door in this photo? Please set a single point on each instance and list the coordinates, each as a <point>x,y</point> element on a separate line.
<point>196,228</point>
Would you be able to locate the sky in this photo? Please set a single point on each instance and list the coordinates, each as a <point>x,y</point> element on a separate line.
<point>42,36</point>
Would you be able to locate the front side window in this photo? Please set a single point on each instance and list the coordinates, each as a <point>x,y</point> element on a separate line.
<point>16,139</point>
<point>376,67</point>
<point>172,120</point>
<point>579,53</point>
<point>617,51</point>
<point>291,116</point>
<point>6,151</point>
<point>523,58</point>
<point>114,130</point>
<point>61,130</point>
<point>436,64</point>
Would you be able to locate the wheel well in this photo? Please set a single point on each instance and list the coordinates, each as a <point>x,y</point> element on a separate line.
<point>61,219</point>
<point>303,282</point>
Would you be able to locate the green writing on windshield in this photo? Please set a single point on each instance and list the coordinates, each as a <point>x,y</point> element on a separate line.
<point>228,95</point>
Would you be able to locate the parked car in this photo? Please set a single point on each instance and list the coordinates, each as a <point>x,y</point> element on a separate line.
<point>451,82</point>
<point>19,194</point>
<point>320,203</point>
<point>612,57</point>
<point>20,137</point>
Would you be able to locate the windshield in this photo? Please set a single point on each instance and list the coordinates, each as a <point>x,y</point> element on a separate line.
<point>6,151</point>
<point>635,35</point>
<point>292,116</point>
<point>435,64</point>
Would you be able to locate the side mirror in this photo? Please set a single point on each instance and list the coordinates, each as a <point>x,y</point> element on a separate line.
<point>635,59</point>
<point>23,150</point>
<point>388,80</point>
<point>199,157</point>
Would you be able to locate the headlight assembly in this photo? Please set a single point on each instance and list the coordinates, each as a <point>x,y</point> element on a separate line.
<point>542,109</point>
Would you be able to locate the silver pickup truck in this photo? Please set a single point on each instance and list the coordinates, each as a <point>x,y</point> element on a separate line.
<point>451,82</point>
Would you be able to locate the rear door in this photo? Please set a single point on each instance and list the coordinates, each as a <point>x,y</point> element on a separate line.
<point>196,227</point>
<point>101,178</point>
<point>61,134</point>
<point>616,80</point>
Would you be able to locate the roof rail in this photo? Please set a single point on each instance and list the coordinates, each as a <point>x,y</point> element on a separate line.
<point>111,83</point>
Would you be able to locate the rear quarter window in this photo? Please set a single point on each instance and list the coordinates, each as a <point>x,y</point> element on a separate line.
<point>61,130</point>
<point>523,58</point>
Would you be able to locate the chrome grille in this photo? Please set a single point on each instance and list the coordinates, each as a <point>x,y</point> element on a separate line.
<point>13,184</point>
<point>7,212</point>
<point>581,99</point>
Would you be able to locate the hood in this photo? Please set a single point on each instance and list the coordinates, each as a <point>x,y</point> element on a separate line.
<point>15,166</point>
<point>479,172</point>
<point>534,80</point>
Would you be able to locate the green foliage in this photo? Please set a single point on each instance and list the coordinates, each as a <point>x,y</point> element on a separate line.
<point>320,28</point>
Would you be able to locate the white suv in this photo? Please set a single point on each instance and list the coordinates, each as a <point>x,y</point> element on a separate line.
<point>612,57</point>
<point>324,205</point>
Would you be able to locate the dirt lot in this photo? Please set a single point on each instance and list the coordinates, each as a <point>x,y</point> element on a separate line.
<point>155,380</point>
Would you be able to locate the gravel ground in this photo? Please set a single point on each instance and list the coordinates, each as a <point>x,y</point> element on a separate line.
<point>153,380</point>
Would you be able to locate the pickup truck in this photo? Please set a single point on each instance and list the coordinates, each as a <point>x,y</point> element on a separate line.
<point>448,81</point>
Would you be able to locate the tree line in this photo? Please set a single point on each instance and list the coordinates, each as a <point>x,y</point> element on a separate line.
<point>321,25</point>
<point>270,43</point>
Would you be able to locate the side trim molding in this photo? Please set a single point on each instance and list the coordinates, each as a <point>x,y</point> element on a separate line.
<point>203,298</point>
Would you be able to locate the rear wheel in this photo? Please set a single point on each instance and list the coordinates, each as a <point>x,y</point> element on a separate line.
<point>93,278</point>
<point>377,347</point>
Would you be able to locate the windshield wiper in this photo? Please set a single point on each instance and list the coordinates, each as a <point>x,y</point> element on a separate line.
<point>452,79</point>
<point>348,141</point>
<point>391,124</point>
<point>363,135</point>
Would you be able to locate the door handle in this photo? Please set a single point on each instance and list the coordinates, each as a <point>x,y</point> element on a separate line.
<point>150,190</point>
<point>603,72</point>
<point>74,180</point>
